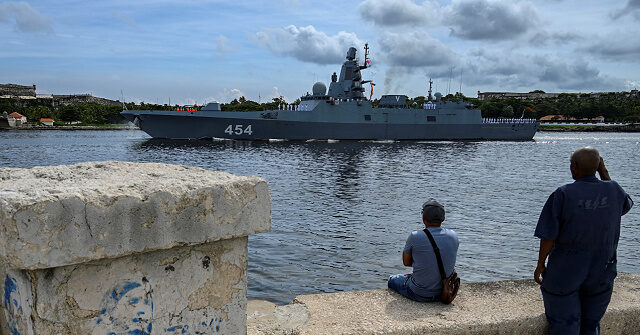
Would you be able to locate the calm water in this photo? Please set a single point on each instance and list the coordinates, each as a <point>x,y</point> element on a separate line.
<point>342,211</point>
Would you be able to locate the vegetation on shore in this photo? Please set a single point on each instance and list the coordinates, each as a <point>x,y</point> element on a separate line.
<point>615,107</point>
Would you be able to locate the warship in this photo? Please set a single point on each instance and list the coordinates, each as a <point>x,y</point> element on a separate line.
<point>342,113</point>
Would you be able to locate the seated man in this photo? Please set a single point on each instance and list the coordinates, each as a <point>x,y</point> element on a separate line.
<point>425,284</point>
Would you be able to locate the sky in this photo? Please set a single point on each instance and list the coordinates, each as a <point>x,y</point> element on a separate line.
<point>197,51</point>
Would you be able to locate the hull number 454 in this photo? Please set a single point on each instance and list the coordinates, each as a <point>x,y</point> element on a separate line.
<point>238,129</point>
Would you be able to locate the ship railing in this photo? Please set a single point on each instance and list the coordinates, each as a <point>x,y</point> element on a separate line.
<point>508,121</point>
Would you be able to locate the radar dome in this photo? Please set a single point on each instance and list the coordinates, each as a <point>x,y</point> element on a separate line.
<point>319,89</point>
<point>438,96</point>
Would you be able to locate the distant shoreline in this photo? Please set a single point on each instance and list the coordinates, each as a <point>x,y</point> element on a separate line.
<point>75,128</point>
<point>631,128</point>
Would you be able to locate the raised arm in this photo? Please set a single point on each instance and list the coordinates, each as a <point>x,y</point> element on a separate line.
<point>602,170</point>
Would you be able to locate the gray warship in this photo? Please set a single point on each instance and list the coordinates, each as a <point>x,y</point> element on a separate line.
<point>342,113</point>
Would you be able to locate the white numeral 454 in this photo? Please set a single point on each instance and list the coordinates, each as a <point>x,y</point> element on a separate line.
<point>238,129</point>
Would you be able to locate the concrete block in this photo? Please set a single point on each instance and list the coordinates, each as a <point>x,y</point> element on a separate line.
<point>61,215</point>
<point>126,248</point>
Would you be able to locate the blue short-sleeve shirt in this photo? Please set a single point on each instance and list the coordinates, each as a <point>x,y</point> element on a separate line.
<point>426,280</point>
<point>584,215</point>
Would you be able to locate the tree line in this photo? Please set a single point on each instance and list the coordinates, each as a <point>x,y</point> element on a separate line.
<point>613,106</point>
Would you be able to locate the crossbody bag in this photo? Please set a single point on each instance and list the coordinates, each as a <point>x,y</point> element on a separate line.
<point>451,284</point>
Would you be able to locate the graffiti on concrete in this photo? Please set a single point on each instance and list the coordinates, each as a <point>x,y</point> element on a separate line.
<point>210,327</point>
<point>11,304</point>
<point>127,309</point>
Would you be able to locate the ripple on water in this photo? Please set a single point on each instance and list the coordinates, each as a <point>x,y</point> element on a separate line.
<point>342,211</point>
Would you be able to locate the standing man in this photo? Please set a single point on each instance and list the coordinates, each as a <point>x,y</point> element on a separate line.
<point>579,229</point>
<point>425,284</point>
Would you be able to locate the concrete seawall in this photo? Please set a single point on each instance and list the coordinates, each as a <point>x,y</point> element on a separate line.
<point>505,307</point>
<point>126,248</point>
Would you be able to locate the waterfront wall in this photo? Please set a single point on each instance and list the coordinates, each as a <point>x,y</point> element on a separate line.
<point>126,248</point>
<point>504,307</point>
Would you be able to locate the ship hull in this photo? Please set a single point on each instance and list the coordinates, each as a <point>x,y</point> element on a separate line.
<point>249,128</point>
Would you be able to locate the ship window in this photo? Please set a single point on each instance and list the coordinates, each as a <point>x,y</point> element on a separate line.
<point>431,118</point>
<point>367,117</point>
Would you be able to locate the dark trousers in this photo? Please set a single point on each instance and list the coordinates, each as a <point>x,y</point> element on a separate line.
<point>577,290</point>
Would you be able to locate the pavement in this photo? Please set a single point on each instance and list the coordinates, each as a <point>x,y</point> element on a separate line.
<point>503,307</point>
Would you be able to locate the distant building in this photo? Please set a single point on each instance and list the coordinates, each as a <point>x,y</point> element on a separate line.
<point>46,122</point>
<point>29,93</point>
<point>563,119</point>
<point>14,90</point>
<point>16,119</point>
<point>482,96</point>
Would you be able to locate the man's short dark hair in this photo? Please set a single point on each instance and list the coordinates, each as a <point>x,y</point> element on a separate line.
<point>433,211</point>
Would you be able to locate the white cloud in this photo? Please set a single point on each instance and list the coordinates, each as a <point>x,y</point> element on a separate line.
<point>307,44</point>
<point>399,12</point>
<point>222,44</point>
<point>24,18</point>
<point>228,95</point>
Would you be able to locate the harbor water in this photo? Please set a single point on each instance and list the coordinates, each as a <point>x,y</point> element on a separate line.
<point>343,210</point>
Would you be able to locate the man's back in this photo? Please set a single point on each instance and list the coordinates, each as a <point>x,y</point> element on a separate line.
<point>426,280</point>
<point>584,215</point>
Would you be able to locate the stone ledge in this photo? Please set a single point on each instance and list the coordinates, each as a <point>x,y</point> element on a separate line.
<point>504,307</point>
<point>53,216</point>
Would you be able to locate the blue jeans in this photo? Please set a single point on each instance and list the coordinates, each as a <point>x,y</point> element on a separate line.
<point>399,283</point>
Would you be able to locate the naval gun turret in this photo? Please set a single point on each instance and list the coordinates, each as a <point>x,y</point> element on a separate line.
<point>349,84</point>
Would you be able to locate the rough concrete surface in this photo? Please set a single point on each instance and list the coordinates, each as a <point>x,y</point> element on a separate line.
<point>504,307</point>
<point>185,290</point>
<point>54,216</point>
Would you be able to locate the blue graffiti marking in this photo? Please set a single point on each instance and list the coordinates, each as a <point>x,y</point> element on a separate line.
<point>171,329</point>
<point>127,297</point>
<point>11,288</point>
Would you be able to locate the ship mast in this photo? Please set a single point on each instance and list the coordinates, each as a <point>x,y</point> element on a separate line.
<point>366,57</point>
<point>430,85</point>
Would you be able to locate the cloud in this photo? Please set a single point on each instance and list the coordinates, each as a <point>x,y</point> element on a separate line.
<point>24,18</point>
<point>509,70</point>
<point>632,7</point>
<point>632,84</point>
<point>543,38</point>
<point>307,44</point>
<point>404,53</point>
<point>227,95</point>
<point>399,12</point>
<point>222,45</point>
<point>490,19</point>
<point>416,49</point>
<point>614,47</point>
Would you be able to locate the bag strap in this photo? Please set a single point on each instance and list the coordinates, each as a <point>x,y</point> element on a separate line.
<point>437,251</point>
